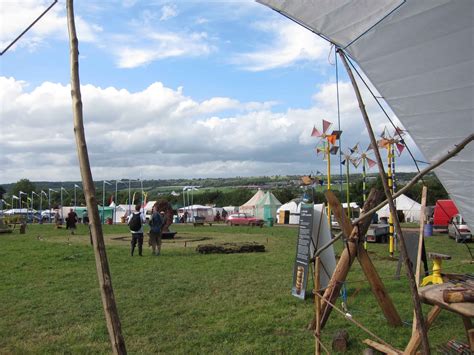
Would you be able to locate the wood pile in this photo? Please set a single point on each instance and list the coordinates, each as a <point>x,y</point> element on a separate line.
<point>230,248</point>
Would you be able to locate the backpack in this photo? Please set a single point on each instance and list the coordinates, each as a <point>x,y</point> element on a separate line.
<point>135,223</point>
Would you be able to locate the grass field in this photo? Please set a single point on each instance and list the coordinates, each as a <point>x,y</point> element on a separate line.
<point>185,302</point>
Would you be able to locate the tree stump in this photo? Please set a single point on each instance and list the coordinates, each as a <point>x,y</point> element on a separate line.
<point>340,340</point>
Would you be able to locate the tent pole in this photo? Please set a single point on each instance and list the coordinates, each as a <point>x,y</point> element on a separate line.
<point>102,266</point>
<point>411,277</point>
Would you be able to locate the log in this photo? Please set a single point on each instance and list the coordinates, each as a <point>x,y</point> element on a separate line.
<point>458,295</point>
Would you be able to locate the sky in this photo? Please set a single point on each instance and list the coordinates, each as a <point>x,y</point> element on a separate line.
<point>172,89</point>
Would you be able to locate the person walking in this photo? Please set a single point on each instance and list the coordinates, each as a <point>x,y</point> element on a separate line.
<point>135,223</point>
<point>71,221</point>
<point>156,224</point>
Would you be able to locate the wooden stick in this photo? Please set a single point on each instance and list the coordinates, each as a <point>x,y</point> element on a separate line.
<point>378,288</point>
<point>420,245</point>
<point>415,340</point>
<point>458,147</point>
<point>393,210</point>
<point>317,305</point>
<point>348,254</point>
<point>381,347</point>
<point>102,266</point>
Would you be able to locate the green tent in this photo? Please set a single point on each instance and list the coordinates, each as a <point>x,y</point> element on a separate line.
<point>266,207</point>
<point>108,212</point>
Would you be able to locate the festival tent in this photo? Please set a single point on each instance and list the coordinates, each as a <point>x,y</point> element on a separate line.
<point>249,206</point>
<point>205,212</point>
<point>289,213</point>
<point>267,206</point>
<point>355,208</point>
<point>410,208</point>
<point>418,55</point>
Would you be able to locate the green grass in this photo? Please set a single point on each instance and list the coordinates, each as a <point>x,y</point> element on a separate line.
<point>185,302</point>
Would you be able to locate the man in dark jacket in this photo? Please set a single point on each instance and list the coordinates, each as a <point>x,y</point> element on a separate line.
<point>156,224</point>
<point>135,222</point>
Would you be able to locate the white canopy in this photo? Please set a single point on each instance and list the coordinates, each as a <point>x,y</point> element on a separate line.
<point>411,209</point>
<point>419,55</point>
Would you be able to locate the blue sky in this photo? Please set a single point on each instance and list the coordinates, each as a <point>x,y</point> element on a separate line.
<point>170,90</point>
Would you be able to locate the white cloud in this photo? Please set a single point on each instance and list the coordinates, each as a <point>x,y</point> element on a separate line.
<point>291,44</point>
<point>168,11</point>
<point>17,16</point>
<point>162,133</point>
<point>161,45</point>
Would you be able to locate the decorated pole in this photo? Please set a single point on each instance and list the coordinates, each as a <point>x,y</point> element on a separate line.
<point>329,181</point>
<point>102,266</point>
<point>390,187</point>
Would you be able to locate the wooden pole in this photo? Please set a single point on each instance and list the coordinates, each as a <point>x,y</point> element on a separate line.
<point>102,266</point>
<point>403,249</point>
<point>317,305</point>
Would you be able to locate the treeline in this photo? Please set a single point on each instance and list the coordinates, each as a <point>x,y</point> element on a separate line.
<point>235,195</point>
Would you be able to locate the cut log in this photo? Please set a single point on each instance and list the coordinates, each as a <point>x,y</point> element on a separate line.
<point>340,341</point>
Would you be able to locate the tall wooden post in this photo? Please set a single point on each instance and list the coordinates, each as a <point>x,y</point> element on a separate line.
<point>102,266</point>
<point>403,249</point>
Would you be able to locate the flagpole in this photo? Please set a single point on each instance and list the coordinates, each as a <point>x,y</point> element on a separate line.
<point>129,197</point>
<point>103,201</point>
<point>61,193</point>
<point>49,204</point>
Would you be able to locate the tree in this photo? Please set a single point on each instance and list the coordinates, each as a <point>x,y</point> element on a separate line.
<point>23,185</point>
<point>2,191</point>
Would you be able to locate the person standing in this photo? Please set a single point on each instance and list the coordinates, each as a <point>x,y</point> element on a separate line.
<point>156,224</point>
<point>71,221</point>
<point>135,223</point>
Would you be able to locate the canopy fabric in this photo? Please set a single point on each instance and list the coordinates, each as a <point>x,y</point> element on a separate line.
<point>249,206</point>
<point>411,209</point>
<point>419,56</point>
<point>267,206</point>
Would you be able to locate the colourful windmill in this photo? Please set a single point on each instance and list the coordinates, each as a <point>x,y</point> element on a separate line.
<point>350,158</point>
<point>327,146</point>
<point>366,162</point>
<point>389,142</point>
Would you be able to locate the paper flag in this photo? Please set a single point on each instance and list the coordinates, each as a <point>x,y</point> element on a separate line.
<point>315,133</point>
<point>331,138</point>
<point>326,125</point>
<point>371,162</point>
<point>400,148</point>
